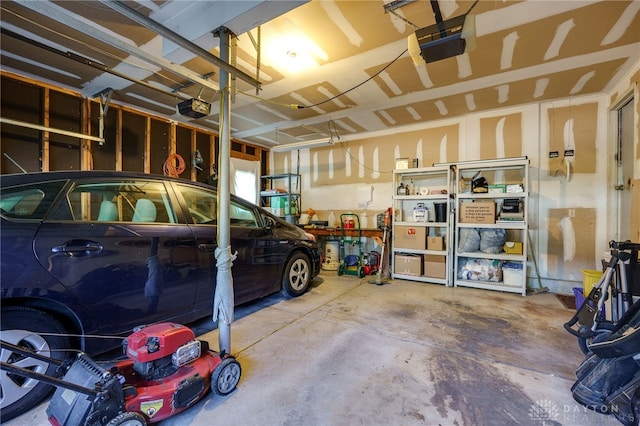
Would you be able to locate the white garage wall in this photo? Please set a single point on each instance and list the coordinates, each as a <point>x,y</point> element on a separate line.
<point>563,211</point>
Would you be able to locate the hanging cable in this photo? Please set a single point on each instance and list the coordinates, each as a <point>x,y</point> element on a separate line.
<point>174,165</point>
<point>296,106</point>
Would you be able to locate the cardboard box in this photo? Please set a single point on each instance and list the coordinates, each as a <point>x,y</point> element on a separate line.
<point>478,212</point>
<point>410,237</point>
<point>435,243</point>
<point>435,266</point>
<point>513,247</point>
<point>408,264</point>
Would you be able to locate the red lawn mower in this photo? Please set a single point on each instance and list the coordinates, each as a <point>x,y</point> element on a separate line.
<point>166,372</point>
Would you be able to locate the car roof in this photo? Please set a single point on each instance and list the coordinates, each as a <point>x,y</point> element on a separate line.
<point>22,178</point>
<point>33,177</point>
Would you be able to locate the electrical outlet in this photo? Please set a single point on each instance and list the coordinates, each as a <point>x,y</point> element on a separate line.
<point>572,212</point>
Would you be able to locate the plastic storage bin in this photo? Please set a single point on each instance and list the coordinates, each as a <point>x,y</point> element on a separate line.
<point>512,273</point>
<point>589,279</point>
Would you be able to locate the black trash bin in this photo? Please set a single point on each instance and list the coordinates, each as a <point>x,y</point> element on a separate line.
<point>441,212</point>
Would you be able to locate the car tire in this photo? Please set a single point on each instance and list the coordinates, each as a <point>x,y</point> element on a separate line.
<point>225,377</point>
<point>33,330</point>
<point>297,275</point>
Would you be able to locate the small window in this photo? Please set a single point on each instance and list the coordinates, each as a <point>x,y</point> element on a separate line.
<point>29,202</point>
<point>121,201</point>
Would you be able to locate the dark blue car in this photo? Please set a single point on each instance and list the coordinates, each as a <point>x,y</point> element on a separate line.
<point>88,256</point>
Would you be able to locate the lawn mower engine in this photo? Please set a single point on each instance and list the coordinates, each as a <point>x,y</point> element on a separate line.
<point>159,350</point>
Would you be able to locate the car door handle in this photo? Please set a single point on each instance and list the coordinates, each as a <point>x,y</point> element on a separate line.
<point>78,248</point>
<point>207,247</point>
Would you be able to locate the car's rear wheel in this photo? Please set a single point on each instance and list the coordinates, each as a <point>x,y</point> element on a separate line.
<point>297,275</point>
<point>35,331</point>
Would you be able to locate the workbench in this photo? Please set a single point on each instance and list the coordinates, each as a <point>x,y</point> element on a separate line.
<point>349,232</point>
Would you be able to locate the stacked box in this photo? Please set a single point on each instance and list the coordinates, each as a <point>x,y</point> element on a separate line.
<point>408,264</point>
<point>435,266</point>
<point>478,212</point>
<point>410,237</point>
<point>435,243</point>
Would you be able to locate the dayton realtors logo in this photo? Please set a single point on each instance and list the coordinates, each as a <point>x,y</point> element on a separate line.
<point>544,411</point>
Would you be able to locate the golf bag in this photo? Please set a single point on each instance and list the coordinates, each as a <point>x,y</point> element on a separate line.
<point>608,381</point>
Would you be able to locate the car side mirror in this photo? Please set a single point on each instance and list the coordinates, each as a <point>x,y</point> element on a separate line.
<point>270,223</point>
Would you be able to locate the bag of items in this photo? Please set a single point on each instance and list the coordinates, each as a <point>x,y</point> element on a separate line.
<point>609,386</point>
<point>469,240</point>
<point>492,240</point>
<point>480,269</point>
<point>609,379</point>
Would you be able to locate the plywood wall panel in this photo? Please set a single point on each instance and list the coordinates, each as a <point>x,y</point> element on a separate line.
<point>573,128</point>
<point>501,137</point>
<point>571,241</point>
<point>374,159</point>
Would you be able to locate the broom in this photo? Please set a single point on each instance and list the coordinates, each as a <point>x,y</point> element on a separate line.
<point>539,289</point>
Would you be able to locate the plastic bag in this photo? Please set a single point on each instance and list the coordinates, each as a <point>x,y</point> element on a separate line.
<point>469,240</point>
<point>480,269</point>
<point>492,240</point>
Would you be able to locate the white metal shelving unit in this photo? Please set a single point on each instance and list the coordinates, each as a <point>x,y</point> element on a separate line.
<point>509,174</point>
<point>272,187</point>
<point>431,186</point>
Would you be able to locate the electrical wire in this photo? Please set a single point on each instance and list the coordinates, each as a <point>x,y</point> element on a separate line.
<point>297,106</point>
<point>364,166</point>
<point>269,101</point>
<point>170,168</point>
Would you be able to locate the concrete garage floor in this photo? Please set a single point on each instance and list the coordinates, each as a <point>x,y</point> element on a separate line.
<point>404,353</point>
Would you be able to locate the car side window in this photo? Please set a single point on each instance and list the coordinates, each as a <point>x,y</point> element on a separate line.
<point>201,204</point>
<point>119,201</point>
<point>202,208</point>
<point>29,201</point>
<point>242,216</point>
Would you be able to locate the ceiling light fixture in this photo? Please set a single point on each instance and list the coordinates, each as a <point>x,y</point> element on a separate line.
<point>304,144</point>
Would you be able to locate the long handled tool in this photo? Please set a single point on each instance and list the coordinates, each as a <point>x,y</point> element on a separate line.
<point>385,228</point>
<point>540,288</point>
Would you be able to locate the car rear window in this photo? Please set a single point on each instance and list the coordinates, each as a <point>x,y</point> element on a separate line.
<point>29,202</point>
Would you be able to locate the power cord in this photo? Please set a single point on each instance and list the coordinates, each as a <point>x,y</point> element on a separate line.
<point>174,165</point>
<point>297,106</point>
